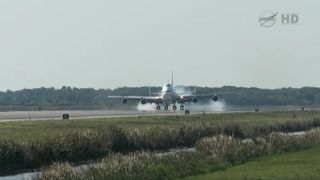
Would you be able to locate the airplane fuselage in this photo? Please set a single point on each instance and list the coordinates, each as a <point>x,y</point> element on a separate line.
<point>168,94</point>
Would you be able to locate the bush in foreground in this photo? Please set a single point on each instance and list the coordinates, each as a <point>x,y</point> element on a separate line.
<point>213,153</point>
<point>234,150</point>
<point>139,165</point>
<point>91,145</point>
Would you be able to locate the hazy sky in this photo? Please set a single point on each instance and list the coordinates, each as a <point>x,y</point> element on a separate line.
<point>107,44</point>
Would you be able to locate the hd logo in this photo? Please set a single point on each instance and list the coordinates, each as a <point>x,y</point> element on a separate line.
<point>289,18</point>
<point>268,18</point>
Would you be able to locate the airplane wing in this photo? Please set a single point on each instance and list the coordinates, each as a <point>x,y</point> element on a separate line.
<point>190,97</point>
<point>203,95</point>
<point>194,97</point>
<point>143,99</point>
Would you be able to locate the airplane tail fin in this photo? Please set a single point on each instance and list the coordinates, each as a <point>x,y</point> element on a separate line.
<point>172,78</point>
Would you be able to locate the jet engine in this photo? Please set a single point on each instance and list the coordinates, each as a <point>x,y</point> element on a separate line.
<point>143,101</point>
<point>195,100</point>
<point>215,98</point>
<point>124,100</point>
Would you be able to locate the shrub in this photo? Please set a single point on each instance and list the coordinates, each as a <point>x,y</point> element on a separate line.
<point>88,144</point>
<point>213,153</point>
<point>234,150</point>
<point>139,165</point>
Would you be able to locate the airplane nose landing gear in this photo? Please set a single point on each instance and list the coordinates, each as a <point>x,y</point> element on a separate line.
<point>166,108</point>
<point>174,107</point>
<point>158,107</point>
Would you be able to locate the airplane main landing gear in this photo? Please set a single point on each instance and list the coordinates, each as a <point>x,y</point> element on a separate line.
<point>181,108</point>
<point>174,107</point>
<point>158,107</point>
<point>166,108</point>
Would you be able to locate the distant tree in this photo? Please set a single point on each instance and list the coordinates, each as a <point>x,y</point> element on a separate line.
<point>84,98</point>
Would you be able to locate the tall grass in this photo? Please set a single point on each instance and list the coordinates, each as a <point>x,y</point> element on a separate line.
<point>235,150</point>
<point>213,153</point>
<point>89,145</point>
<point>138,165</point>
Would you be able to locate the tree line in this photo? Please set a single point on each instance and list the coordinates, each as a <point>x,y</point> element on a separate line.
<point>89,98</point>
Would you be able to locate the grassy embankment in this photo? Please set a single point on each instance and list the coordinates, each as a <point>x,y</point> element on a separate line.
<point>32,144</point>
<point>213,154</point>
<point>302,164</point>
<point>44,129</point>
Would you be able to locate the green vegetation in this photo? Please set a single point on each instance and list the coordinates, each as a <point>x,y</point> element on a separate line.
<point>302,164</point>
<point>214,154</point>
<point>140,165</point>
<point>32,144</point>
<point>88,98</point>
<point>159,133</point>
<point>277,121</point>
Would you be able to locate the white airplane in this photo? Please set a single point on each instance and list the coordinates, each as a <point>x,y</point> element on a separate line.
<point>167,96</point>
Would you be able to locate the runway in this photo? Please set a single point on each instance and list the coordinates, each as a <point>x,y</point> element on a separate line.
<point>86,114</point>
<point>73,114</point>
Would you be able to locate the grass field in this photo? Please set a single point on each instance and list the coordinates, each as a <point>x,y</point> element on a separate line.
<point>42,129</point>
<point>213,154</point>
<point>303,164</point>
<point>34,144</point>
